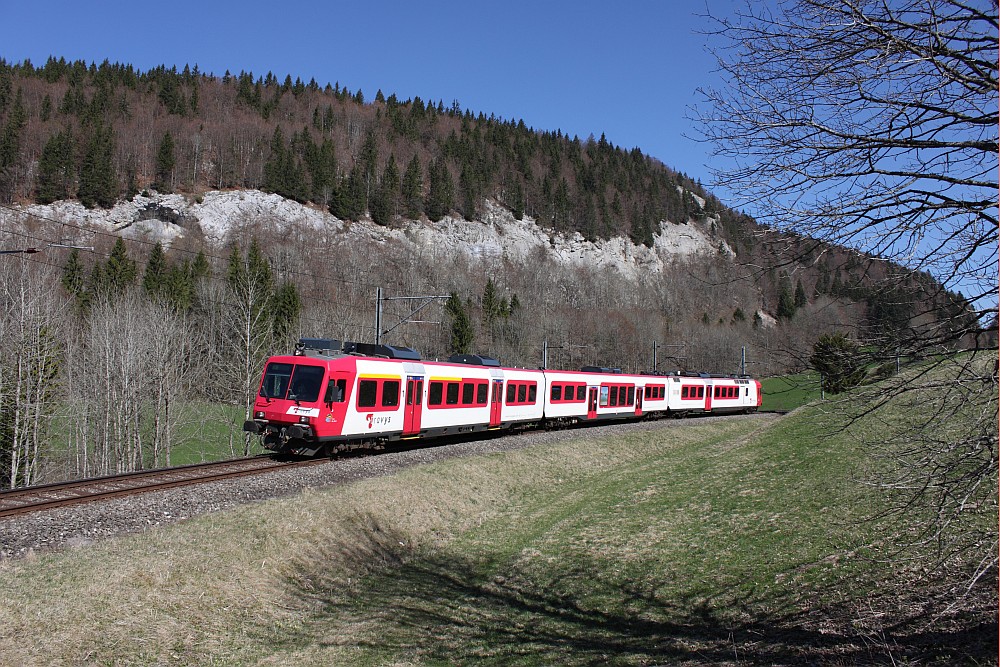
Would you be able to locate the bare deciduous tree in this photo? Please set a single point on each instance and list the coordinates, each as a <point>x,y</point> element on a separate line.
<point>873,124</point>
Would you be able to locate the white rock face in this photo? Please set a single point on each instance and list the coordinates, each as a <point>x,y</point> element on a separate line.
<point>165,218</point>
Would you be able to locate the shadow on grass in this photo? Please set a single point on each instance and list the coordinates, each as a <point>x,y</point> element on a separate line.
<point>453,610</point>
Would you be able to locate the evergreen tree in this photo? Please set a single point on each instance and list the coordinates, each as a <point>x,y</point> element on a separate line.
<point>786,299</point>
<point>412,190</point>
<point>386,202</point>
<point>55,168</point>
<point>155,279</point>
<point>276,165</point>
<point>493,308</point>
<point>200,268</point>
<point>838,360</point>
<point>178,291</point>
<point>285,309</point>
<point>98,182</point>
<point>439,198</point>
<point>800,295</point>
<point>72,277</point>
<point>10,145</point>
<point>462,334</point>
<point>120,270</point>
<point>165,163</point>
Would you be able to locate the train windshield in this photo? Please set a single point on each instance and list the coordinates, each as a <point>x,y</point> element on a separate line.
<point>292,381</point>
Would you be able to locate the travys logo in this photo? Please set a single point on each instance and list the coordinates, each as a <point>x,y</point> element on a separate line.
<point>381,420</point>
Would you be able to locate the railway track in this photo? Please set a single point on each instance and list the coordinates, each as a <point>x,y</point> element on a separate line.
<point>49,496</point>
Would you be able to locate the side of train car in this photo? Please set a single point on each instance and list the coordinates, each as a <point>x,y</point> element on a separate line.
<point>324,398</point>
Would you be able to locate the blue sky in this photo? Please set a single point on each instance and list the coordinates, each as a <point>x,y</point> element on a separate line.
<point>627,69</point>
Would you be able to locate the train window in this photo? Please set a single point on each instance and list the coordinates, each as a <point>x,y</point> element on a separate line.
<point>613,400</point>
<point>468,393</point>
<point>367,390</point>
<point>451,394</point>
<point>522,393</point>
<point>684,392</point>
<point>581,392</point>
<point>435,393</point>
<point>532,393</point>
<point>631,396</point>
<point>556,394</point>
<point>511,392</point>
<point>335,390</point>
<point>390,393</point>
<point>275,383</point>
<point>482,393</point>
<point>701,392</point>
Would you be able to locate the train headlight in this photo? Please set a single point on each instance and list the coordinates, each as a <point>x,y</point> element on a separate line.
<point>259,414</point>
<point>303,420</point>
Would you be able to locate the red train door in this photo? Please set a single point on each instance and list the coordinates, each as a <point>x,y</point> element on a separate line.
<point>497,404</point>
<point>708,398</point>
<point>592,403</point>
<point>414,402</point>
<point>638,401</point>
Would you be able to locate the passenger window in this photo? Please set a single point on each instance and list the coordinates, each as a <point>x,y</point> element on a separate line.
<point>482,393</point>
<point>511,392</point>
<point>556,392</point>
<point>434,393</point>
<point>581,392</point>
<point>367,390</point>
<point>468,393</point>
<point>532,393</point>
<point>451,398</point>
<point>390,393</point>
<point>522,392</point>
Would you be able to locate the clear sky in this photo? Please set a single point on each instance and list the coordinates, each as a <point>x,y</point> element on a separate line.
<point>628,69</point>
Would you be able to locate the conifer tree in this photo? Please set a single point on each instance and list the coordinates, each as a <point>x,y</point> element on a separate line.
<point>285,309</point>
<point>10,144</point>
<point>440,196</point>
<point>72,277</point>
<point>461,329</point>
<point>800,295</point>
<point>120,270</point>
<point>98,182</point>
<point>786,299</point>
<point>412,190</point>
<point>55,168</point>
<point>155,278</point>
<point>165,163</point>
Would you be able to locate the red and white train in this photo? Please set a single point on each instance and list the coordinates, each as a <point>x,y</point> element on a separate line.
<point>328,397</point>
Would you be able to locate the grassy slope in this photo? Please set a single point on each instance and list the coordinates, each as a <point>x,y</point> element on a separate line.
<point>704,543</point>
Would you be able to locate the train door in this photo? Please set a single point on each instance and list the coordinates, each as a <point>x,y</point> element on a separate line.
<point>592,403</point>
<point>638,401</point>
<point>497,404</point>
<point>708,397</point>
<point>414,403</point>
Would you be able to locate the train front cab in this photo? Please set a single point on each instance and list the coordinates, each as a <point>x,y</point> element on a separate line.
<point>301,401</point>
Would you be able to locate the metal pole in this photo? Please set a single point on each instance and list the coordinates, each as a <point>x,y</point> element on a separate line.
<point>654,356</point>
<point>743,360</point>
<point>378,316</point>
<point>545,354</point>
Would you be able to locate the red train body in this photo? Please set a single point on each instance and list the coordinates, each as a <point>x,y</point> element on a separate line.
<point>323,399</point>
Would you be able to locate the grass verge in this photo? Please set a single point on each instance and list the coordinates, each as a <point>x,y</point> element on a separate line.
<point>728,542</point>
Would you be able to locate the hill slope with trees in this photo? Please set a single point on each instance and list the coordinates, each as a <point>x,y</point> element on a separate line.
<point>167,328</point>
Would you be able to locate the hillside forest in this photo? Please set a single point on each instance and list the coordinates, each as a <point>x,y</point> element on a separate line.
<point>115,353</point>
